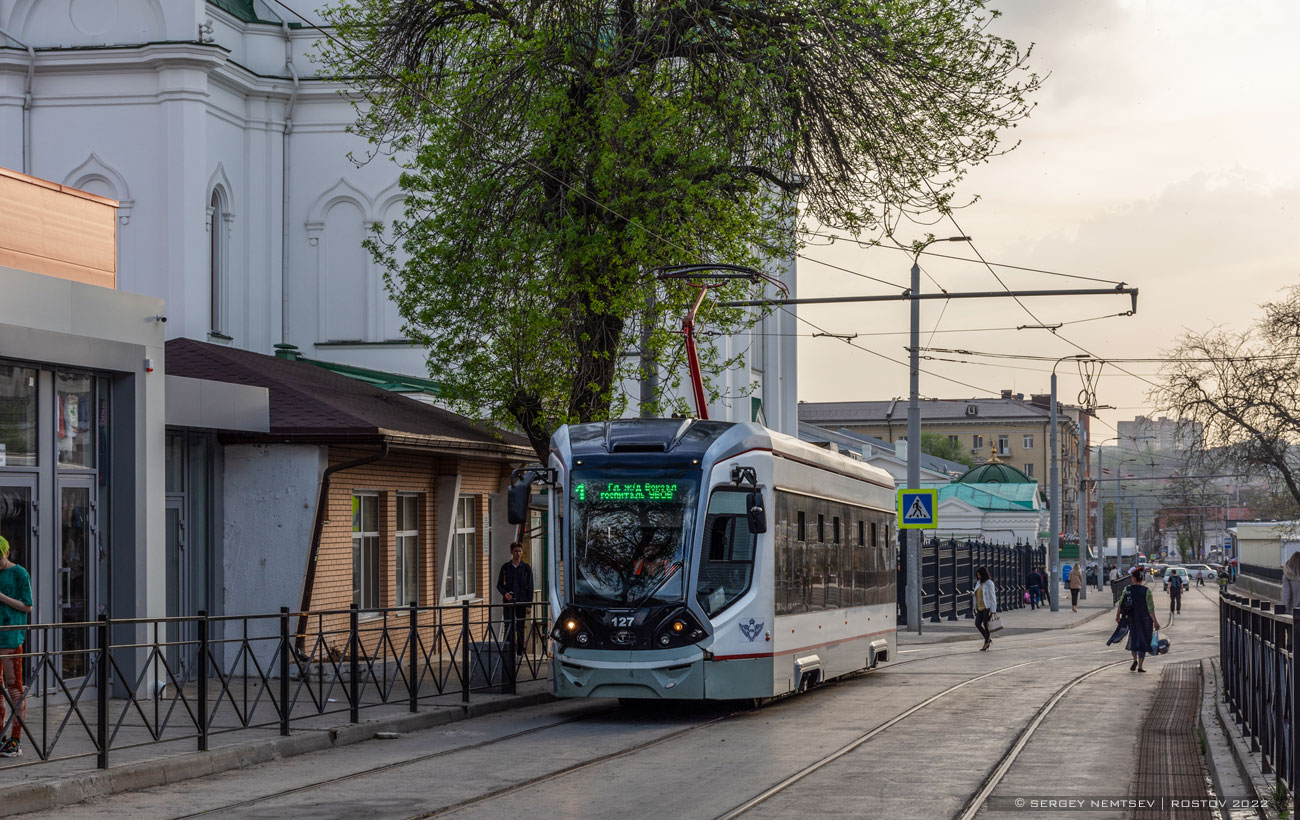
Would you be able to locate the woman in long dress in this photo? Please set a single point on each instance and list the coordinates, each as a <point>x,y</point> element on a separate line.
<point>1141,616</point>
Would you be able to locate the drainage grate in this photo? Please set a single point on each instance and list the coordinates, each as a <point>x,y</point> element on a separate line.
<point>1169,765</point>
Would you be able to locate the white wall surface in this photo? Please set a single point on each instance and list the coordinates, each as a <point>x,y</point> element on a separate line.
<point>161,126</point>
<point>270,508</point>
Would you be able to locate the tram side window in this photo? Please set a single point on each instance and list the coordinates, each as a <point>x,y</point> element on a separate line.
<point>727,564</point>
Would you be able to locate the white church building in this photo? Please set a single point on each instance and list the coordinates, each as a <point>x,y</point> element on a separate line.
<point>239,204</point>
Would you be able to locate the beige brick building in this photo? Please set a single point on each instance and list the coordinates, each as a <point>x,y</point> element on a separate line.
<point>1016,429</point>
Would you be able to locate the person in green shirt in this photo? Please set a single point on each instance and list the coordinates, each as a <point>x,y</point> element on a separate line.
<point>15,606</point>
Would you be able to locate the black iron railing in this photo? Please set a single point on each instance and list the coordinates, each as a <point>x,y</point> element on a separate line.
<point>948,576</point>
<point>99,687</point>
<point>1258,661</point>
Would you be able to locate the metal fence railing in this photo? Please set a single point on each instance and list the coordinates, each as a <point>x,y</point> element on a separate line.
<point>99,687</point>
<point>948,576</point>
<point>1258,662</point>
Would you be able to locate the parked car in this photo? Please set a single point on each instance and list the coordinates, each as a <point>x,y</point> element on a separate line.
<point>1205,571</point>
<point>1172,571</point>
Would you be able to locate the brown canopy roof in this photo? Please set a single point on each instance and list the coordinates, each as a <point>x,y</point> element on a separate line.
<point>311,402</point>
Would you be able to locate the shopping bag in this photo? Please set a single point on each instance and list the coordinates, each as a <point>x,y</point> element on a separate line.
<point>995,623</point>
<point>1027,597</point>
<point>1155,642</point>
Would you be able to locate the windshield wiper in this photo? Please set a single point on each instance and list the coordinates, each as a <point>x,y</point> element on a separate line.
<point>672,570</point>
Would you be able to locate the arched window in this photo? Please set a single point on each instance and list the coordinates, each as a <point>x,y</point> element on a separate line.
<point>217,256</point>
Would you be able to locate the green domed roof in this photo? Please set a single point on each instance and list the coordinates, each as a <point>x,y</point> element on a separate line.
<point>995,472</point>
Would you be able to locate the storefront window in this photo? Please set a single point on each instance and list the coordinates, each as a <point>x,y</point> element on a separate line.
<point>17,416</point>
<point>75,423</point>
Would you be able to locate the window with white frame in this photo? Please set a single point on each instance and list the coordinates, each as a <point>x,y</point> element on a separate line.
<point>407,554</point>
<point>365,550</point>
<point>1029,441</point>
<point>1004,445</point>
<point>954,441</point>
<point>459,568</point>
<point>977,442</point>
<point>217,262</point>
<point>1029,470</point>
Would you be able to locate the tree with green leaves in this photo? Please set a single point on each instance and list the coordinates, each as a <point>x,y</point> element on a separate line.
<point>940,446</point>
<point>557,152</point>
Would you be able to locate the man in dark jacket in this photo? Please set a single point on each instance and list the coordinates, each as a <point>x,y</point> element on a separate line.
<point>515,583</point>
<point>1034,583</point>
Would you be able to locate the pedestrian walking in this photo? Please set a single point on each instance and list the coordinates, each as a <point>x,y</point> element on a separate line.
<point>1138,607</point>
<point>1175,593</point>
<point>1076,584</point>
<point>986,604</point>
<point>515,583</point>
<point>15,607</point>
<point>1114,574</point>
<point>1291,582</point>
<point>1033,582</point>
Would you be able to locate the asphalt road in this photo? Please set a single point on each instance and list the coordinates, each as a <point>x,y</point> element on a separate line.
<point>926,736</point>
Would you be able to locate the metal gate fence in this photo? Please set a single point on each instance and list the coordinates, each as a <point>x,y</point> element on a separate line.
<point>93,688</point>
<point>948,576</point>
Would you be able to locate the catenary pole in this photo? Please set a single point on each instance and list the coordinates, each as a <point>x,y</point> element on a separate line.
<point>914,430</point>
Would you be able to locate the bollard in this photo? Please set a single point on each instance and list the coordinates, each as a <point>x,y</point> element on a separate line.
<point>101,696</point>
<point>413,642</point>
<point>464,651</point>
<point>354,668</point>
<point>203,680</point>
<point>286,646</point>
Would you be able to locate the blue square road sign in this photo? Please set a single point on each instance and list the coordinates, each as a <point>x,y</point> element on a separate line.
<point>917,509</point>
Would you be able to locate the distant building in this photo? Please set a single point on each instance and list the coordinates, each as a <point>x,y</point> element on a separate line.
<point>890,457</point>
<point>1011,428</point>
<point>1160,434</point>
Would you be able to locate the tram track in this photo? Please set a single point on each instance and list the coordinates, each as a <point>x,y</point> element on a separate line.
<point>940,652</point>
<point>252,801</point>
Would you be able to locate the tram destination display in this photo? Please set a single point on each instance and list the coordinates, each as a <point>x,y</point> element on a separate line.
<point>628,491</point>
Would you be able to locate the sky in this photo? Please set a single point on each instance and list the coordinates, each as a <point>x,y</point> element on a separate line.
<point>1163,153</point>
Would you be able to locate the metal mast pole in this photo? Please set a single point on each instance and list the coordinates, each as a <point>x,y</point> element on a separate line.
<point>1081,511</point>
<point>1054,499</point>
<point>914,451</point>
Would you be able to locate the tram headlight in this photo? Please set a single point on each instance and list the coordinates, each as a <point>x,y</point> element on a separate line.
<point>679,627</point>
<point>665,639</point>
<point>582,638</point>
<point>571,625</point>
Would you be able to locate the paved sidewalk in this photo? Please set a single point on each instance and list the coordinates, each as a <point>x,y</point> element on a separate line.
<point>1016,621</point>
<point>25,788</point>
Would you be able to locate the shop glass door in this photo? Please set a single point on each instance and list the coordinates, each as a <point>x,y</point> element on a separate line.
<point>75,563</point>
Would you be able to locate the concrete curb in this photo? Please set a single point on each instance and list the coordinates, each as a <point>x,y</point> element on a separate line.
<point>1221,760</point>
<point>1236,752</point>
<point>41,795</point>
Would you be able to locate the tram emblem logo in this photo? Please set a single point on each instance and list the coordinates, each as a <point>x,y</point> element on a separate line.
<point>751,629</point>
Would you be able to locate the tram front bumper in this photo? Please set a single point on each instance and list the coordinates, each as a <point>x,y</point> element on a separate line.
<point>669,673</point>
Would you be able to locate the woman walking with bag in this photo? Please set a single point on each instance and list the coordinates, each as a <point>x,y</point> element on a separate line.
<point>1076,583</point>
<point>986,605</point>
<point>1139,607</point>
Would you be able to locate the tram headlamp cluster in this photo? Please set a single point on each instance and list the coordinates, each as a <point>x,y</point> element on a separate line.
<point>678,629</point>
<point>570,630</point>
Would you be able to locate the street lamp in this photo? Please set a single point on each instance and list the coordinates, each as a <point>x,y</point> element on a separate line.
<point>914,432</point>
<point>1054,484</point>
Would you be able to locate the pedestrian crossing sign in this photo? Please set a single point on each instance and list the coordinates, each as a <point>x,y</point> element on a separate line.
<point>916,509</point>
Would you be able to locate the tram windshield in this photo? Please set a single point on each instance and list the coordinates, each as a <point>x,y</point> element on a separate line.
<point>629,536</point>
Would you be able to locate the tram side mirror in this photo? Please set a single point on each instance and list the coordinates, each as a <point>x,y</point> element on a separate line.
<point>755,512</point>
<point>517,502</point>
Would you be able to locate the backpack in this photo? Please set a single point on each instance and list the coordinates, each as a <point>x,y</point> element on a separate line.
<point>1126,606</point>
<point>1176,583</point>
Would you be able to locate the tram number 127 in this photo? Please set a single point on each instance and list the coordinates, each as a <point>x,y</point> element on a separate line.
<point>620,620</point>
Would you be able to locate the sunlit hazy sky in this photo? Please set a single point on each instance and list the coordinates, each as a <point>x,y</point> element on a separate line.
<point>1164,152</point>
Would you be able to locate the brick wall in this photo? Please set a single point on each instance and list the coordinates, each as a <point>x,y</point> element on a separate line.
<point>399,473</point>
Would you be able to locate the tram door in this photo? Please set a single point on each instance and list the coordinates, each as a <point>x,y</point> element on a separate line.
<point>75,561</point>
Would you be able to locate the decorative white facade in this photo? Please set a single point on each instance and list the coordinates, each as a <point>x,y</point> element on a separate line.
<point>240,205</point>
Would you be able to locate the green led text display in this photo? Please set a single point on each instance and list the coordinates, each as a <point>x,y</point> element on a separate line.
<point>628,491</point>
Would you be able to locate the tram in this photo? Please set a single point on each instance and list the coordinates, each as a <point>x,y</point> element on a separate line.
<point>707,560</point>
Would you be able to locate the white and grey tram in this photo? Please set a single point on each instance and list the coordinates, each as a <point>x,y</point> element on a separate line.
<point>711,560</point>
